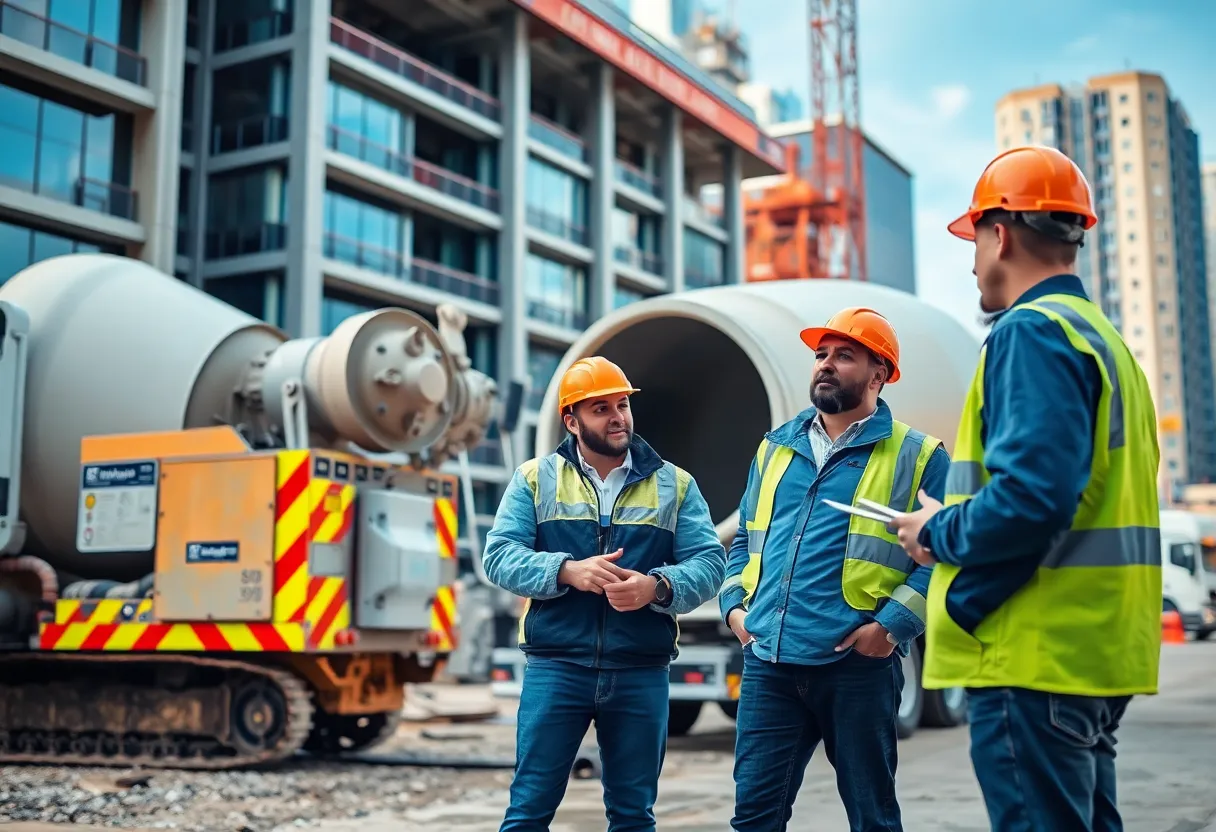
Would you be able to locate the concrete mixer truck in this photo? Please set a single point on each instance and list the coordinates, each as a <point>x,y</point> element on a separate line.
<point>218,545</point>
<point>718,368</point>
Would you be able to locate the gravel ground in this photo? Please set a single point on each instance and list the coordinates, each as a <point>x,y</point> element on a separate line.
<point>241,801</point>
<point>291,796</point>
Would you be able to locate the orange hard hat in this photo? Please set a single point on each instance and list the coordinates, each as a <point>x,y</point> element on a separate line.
<point>866,327</point>
<point>590,378</point>
<point>1035,179</point>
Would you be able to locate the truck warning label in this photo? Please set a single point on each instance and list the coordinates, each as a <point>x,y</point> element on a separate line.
<point>210,552</point>
<point>117,509</point>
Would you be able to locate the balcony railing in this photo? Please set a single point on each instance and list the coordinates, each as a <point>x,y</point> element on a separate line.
<point>557,226</point>
<point>245,133</point>
<point>424,173</point>
<point>69,43</point>
<point>397,265</point>
<point>705,213</point>
<point>636,178</point>
<point>107,198</point>
<point>564,316</point>
<point>238,33</point>
<point>455,282</point>
<point>185,238</point>
<point>235,242</point>
<point>639,259</point>
<point>343,35</point>
<point>557,137</point>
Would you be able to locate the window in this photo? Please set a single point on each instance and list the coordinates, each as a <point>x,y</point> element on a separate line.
<point>452,246</point>
<point>21,247</point>
<point>359,115</point>
<point>1125,122</point>
<point>557,201</point>
<point>704,261</point>
<point>260,295</point>
<point>542,366</point>
<point>336,307</point>
<point>250,104</point>
<point>363,233</point>
<point>1184,556</point>
<point>1123,98</point>
<point>556,292</point>
<point>62,153</point>
<point>1151,95</point>
<point>624,296</point>
<point>247,211</point>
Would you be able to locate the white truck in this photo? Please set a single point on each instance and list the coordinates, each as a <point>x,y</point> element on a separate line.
<point>719,367</point>
<point>1184,586</point>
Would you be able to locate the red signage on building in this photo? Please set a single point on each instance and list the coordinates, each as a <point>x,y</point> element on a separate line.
<point>580,25</point>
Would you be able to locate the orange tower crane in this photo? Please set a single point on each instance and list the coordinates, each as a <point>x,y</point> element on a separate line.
<point>812,223</point>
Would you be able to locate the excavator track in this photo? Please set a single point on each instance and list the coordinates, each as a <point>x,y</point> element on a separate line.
<point>162,710</point>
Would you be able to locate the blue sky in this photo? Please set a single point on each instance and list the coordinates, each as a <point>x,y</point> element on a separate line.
<point>932,70</point>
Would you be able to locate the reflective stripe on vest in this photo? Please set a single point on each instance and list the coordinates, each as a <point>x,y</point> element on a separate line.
<point>875,565</point>
<point>1088,622</point>
<point>563,494</point>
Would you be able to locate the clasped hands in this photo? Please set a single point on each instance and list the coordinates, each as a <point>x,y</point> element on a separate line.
<point>625,589</point>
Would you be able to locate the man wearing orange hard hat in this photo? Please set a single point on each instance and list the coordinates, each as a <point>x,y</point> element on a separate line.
<point>1046,596</point>
<point>826,603</point>
<point>609,543</point>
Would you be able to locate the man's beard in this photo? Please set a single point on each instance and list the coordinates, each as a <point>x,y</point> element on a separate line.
<point>837,398</point>
<point>600,444</point>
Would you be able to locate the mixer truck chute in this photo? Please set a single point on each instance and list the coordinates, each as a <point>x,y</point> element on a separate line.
<point>720,367</point>
<point>218,545</point>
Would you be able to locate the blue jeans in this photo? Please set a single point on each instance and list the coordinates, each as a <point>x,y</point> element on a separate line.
<point>1046,762</point>
<point>556,706</point>
<point>786,710</point>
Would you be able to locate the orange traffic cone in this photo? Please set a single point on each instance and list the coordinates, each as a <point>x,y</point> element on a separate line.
<point>1172,631</point>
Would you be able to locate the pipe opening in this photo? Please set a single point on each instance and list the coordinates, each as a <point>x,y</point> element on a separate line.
<point>702,403</point>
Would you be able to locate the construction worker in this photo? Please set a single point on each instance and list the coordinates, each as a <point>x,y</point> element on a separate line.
<point>608,542</point>
<point>1046,597</point>
<point>821,600</point>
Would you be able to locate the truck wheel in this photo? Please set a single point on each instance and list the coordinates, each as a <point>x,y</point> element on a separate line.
<point>911,700</point>
<point>945,708</point>
<point>731,708</point>
<point>1203,635</point>
<point>681,716</point>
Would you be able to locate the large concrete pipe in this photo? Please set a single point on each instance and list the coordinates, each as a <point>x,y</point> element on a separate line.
<point>717,368</point>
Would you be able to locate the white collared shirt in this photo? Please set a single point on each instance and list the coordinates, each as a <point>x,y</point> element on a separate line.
<point>609,488</point>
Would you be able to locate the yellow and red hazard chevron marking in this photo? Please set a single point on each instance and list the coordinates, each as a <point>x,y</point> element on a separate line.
<point>308,611</point>
<point>111,624</point>
<point>310,509</point>
<point>443,611</point>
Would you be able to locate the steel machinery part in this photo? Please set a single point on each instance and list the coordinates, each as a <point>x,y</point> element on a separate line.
<point>114,347</point>
<point>720,367</point>
<point>162,711</point>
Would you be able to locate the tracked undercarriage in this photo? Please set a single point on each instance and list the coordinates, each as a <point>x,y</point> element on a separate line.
<point>171,711</point>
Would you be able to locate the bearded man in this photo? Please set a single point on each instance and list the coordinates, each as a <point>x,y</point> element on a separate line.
<point>609,543</point>
<point>825,603</point>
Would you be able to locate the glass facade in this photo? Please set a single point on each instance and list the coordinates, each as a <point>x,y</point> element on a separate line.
<point>64,153</point>
<point>247,211</point>
<point>556,292</point>
<point>623,296</point>
<point>556,201</point>
<point>21,246</point>
<point>260,295</point>
<point>542,365</point>
<point>704,261</point>
<point>890,256</point>
<point>1194,325</point>
<point>100,34</point>
<point>243,22</point>
<point>250,104</point>
<point>364,234</point>
<point>336,307</point>
<point>357,114</point>
<point>452,246</point>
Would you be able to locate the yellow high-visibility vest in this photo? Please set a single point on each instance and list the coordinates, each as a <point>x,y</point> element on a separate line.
<point>1089,621</point>
<point>875,565</point>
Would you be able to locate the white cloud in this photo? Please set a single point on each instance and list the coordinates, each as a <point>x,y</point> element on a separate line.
<point>1085,43</point>
<point>950,100</point>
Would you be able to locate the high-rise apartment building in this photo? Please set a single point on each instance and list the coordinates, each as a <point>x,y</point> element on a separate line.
<point>532,161</point>
<point>1209,235</point>
<point>1144,262</point>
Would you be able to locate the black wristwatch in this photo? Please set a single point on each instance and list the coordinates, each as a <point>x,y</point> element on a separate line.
<point>662,591</point>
